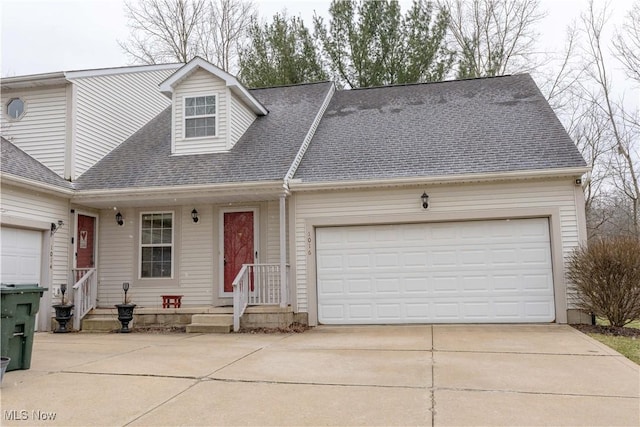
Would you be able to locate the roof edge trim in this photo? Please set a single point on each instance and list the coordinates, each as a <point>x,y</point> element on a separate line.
<point>309,136</point>
<point>297,185</point>
<point>168,85</point>
<point>34,81</point>
<point>119,70</point>
<point>33,184</point>
<point>235,186</point>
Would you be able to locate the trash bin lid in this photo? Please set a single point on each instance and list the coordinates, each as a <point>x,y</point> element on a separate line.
<point>19,288</point>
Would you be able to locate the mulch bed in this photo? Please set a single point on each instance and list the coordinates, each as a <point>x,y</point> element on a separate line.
<point>294,328</point>
<point>609,330</point>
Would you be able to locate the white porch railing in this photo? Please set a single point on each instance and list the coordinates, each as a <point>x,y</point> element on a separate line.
<point>257,284</point>
<point>85,293</point>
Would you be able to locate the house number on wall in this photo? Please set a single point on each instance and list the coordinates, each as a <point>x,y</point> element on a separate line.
<point>308,243</point>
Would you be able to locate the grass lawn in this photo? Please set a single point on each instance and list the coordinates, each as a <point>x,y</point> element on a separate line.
<point>627,346</point>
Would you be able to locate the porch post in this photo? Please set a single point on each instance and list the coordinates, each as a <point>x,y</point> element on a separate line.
<point>283,252</point>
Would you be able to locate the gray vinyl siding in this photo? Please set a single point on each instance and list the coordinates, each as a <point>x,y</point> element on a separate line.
<point>41,132</point>
<point>197,247</point>
<point>200,83</point>
<point>110,108</point>
<point>444,200</point>
<point>240,119</point>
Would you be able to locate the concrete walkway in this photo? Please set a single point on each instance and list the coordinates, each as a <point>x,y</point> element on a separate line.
<point>388,375</point>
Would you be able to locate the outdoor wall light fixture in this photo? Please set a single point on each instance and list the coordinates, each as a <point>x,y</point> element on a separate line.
<point>54,226</point>
<point>425,200</point>
<point>119,219</point>
<point>194,215</point>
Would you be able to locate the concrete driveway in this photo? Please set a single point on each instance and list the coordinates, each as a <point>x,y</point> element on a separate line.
<point>386,375</point>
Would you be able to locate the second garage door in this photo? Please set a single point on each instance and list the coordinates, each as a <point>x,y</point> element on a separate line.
<point>495,271</point>
<point>20,255</point>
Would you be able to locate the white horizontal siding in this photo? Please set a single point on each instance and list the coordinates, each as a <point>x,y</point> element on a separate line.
<point>26,205</point>
<point>443,199</point>
<point>200,83</point>
<point>115,257</point>
<point>198,263</point>
<point>197,255</point>
<point>240,119</point>
<point>110,108</point>
<point>41,132</point>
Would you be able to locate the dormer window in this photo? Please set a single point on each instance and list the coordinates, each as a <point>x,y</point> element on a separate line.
<point>199,116</point>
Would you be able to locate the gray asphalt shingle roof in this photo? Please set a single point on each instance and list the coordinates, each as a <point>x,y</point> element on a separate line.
<point>458,127</point>
<point>16,162</point>
<point>264,153</point>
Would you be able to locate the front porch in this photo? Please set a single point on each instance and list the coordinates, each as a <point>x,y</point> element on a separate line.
<point>214,251</point>
<point>259,301</point>
<point>193,319</point>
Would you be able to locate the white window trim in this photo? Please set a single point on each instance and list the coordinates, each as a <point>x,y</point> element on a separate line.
<point>184,116</point>
<point>173,247</point>
<point>24,109</point>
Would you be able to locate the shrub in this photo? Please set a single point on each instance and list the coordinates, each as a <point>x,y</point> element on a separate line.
<point>606,274</point>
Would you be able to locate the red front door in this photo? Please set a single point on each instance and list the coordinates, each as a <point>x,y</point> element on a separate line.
<point>86,235</point>
<point>238,245</point>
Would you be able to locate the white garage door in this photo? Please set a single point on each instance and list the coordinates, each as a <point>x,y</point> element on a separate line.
<point>20,255</point>
<point>469,272</point>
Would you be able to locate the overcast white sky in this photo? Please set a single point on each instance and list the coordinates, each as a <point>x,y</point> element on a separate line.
<point>40,36</point>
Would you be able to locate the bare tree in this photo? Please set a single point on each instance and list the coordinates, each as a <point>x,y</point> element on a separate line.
<point>627,43</point>
<point>493,37</point>
<point>622,125</point>
<point>177,30</point>
<point>163,30</point>
<point>224,31</point>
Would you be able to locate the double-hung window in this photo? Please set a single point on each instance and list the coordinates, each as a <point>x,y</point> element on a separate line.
<point>200,116</point>
<point>156,245</point>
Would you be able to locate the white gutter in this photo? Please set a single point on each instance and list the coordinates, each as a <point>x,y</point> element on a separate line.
<point>32,184</point>
<point>298,185</point>
<point>164,190</point>
<point>33,80</point>
<point>308,137</point>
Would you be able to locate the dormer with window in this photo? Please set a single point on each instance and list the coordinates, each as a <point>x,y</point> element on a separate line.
<point>211,110</point>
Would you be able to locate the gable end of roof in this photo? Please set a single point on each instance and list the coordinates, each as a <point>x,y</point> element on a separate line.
<point>167,87</point>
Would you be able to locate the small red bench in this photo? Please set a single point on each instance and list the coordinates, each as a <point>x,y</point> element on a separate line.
<point>171,301</point>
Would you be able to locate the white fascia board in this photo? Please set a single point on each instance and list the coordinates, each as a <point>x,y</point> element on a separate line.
<point>189,190</point>
<point>33,185</point>
<point>298,185</point>
<point>120,70</point>
<point>231,82</point>
<point>33,81</point>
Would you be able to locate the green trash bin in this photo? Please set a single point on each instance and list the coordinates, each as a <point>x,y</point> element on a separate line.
<point>18,309</point>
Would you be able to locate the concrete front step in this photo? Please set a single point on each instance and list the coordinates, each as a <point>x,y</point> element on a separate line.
<point>213,319</point>
<point>211,323</point>
<point>101,324</point>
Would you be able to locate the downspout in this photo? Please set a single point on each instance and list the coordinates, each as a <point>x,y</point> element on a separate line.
<point>286,192</point>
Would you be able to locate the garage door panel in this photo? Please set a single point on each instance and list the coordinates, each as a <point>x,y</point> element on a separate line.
<point>489,271</point>
<point>20,253</point>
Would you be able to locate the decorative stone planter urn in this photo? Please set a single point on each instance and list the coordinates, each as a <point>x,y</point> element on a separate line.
<point>125,315</point>
<point>63,312</point>
<point>125,311</point>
